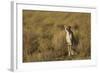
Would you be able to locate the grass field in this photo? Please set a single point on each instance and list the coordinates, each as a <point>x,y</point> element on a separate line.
<point>44,37</point>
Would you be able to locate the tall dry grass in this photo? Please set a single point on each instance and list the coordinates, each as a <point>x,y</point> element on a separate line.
<point>44,37</point>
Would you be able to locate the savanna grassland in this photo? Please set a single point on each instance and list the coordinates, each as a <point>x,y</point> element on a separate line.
<point>44,36</point>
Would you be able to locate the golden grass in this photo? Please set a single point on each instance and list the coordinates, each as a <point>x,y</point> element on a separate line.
<point>44,35</point>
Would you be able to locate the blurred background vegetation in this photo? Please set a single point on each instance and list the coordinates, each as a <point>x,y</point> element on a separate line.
<point>44,37</point>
